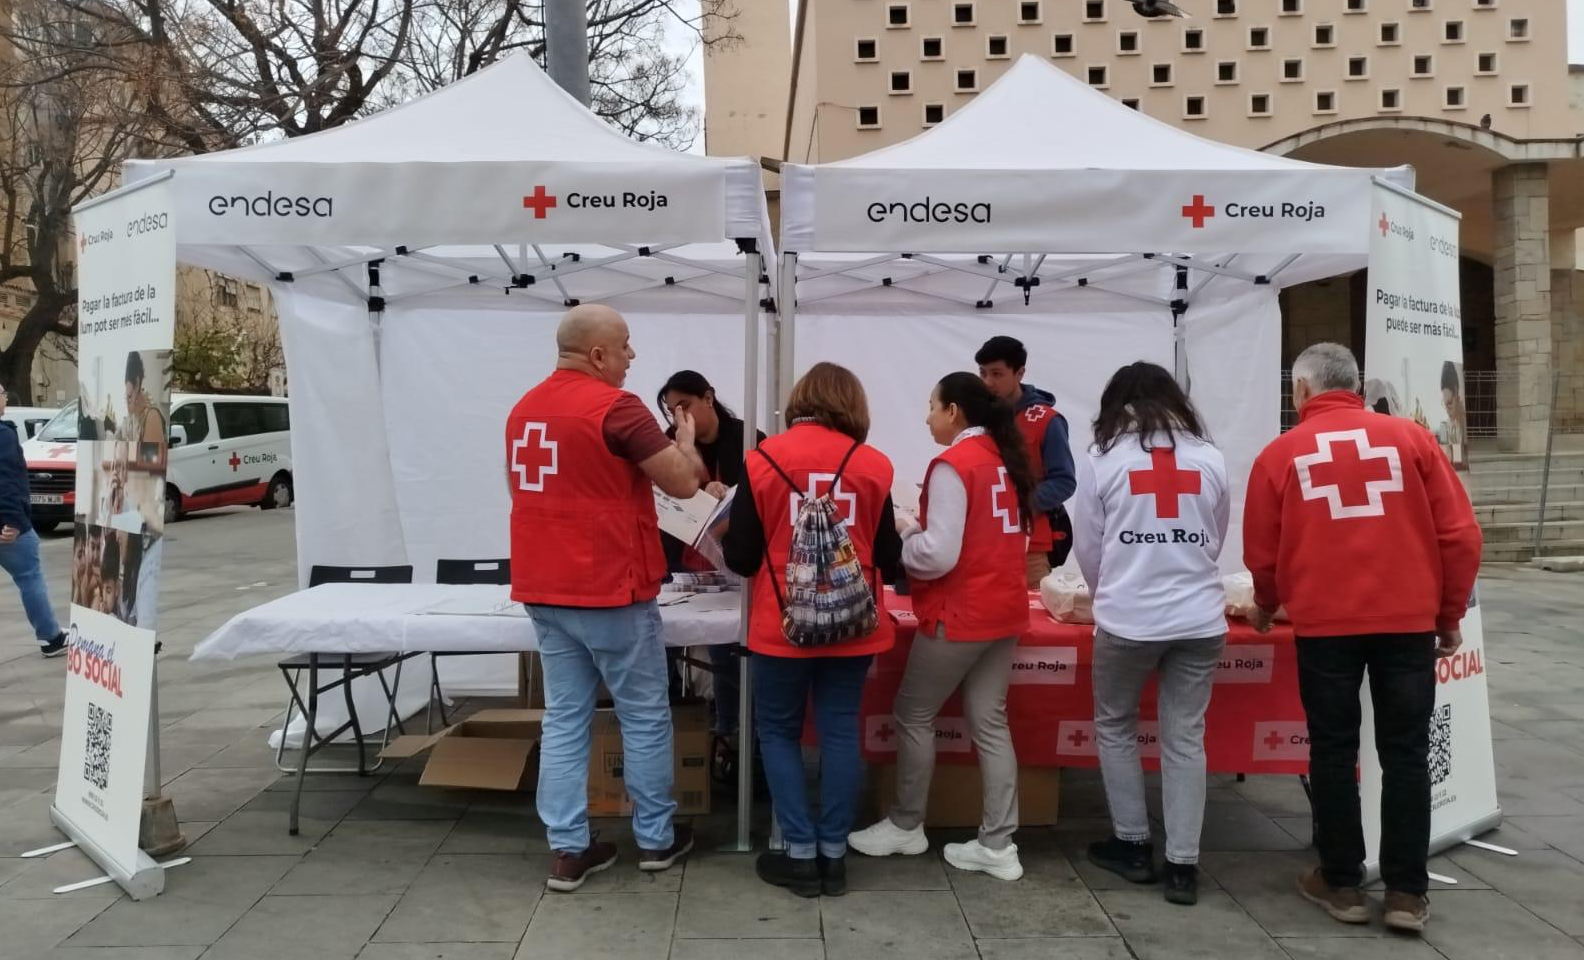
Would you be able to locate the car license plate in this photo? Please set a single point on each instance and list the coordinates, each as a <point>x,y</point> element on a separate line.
<point>47,498</point>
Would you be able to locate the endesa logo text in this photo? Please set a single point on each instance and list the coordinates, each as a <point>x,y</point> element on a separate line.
<point>271,204</point>
<point>930,211</point>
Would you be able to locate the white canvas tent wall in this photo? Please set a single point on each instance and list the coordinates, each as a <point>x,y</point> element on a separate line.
<point>1097,235</point>
<point>419,260</point>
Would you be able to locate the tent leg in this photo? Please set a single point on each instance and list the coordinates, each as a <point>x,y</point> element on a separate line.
<point>745,736</point>
<point>1179,307</point>
<point>786,337</point>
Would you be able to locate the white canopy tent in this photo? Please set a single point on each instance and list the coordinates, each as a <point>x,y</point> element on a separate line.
<point>420,259</point>
<point>1046,210</point>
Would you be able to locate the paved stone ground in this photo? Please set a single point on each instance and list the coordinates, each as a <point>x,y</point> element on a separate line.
<point>385,870</point>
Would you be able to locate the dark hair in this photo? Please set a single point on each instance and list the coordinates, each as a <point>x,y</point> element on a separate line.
<point>134,372</point>
<point>981,408</point>
<point>1008,350</point>
<point>1450,378</point>
<point>110,560</point>
<point>1143,398</point>
<point>692,383</point>
<point>831,396</point>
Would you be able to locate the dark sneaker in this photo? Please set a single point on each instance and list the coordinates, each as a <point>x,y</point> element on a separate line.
<point>568,869</point>
<point>1406,911</point>
<point>55,647</point>
<point>1130,860</point>
<point>779,870</point>
<point>833,875</point>
<point>654,861</point>
<point>1344,904</point>
<point>1182,883</point>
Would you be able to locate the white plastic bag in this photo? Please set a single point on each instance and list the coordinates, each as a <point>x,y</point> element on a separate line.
<point>1066,596</point>
<point>1239,589</point>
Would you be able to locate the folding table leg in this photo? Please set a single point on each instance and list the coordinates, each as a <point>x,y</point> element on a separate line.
<point>307,741</point>
<point>357,728</point>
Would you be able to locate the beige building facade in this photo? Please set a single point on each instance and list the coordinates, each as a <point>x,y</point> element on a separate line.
<point>1475,94</point>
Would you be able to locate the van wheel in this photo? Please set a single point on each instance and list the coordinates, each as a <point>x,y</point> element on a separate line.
<point>173,507</point>
<point>279,493</point>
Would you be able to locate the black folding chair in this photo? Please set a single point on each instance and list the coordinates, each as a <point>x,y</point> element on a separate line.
<point>460,573</point>
<point>352,667</point>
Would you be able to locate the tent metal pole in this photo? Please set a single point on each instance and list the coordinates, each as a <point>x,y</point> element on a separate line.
<point>1207,280</point>
<point>1204,265</point>
<point>847,268</point>
<point>752,268</point>
<point>786,335</point>
<point>560,287</point>
<point>357,291</point>
<point>1179,307</point>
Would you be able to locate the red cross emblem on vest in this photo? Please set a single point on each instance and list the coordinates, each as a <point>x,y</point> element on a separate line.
<point>1003,503</point>
<point>1350,474</point>
<point>1036,413</point>
<point>1165,483</point>
<point>534,457</point>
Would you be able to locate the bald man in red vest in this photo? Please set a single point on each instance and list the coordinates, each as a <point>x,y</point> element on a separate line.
<point>581,456</point>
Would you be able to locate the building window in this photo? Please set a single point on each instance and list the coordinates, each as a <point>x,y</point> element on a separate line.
<point>1518,95</point>
<point>1390,101</point>
<point>1161,75</point>
<point>1325,101</point>
<point>1193,40</point>
<point>967,81</point>
<point>962,15</point>
<point>1292,71</point>
<point>1130,102</point>
<point>1227,71</point>
<point>1423,66</point>
<point>868,118</point>
<point>226,292</point>
<point>1420,6</point>
<point>1259,38</point>
<point>252,297</point>
<point>1128,43</point>
<point>1485,4</point>
<point>1094,11</point>
<point>996,48</point>
<point>1193,108</point>
<point>1291,8</point>
<point>1518,29</point>
<point>901,82</point>
<point>1325,35</point>
<point>1029,12</point>
<point>1390,34</point>
<point>898,16</point>
<point>1455,98</point>
<point>1358,68</point>
<point>1452,31</point>
<point>1098,77</point>
<point>868,51</point>
<point>1487,65</point>
<point>1226,8</point>
<point>934,113</point>
<point>1357,6</point>
<point>931,48</point>
<point>1259,105</point>
<point>1062,45</point>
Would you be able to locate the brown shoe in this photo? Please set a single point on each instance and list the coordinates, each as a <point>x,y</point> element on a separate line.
<point>1406,912</point>
<point>1346,905</point>
<point>569,869</point>
<point>656,860</point>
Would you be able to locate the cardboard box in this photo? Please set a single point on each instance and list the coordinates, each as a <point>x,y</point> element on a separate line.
<point>956,797</point>
<point>692,744</point>
<point>491,750</point>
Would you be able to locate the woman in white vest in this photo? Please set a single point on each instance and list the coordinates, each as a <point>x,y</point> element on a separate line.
<point>1150,515</point>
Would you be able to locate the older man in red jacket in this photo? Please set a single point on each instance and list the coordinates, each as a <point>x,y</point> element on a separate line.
<point>1357,524</point>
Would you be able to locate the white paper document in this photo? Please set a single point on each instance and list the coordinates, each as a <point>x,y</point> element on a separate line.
<point>695,519</point>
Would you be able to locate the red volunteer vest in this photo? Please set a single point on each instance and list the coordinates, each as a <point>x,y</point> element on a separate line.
<point>583,528</point>
<point>985,596</point>
<point>810,454</point>
<point>1032,422</point>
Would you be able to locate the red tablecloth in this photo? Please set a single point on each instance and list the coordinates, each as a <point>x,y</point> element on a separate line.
<point>1255,723</point>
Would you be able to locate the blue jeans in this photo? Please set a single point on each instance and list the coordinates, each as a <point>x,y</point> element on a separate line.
<point>782,686</point>
<point>20,558</point>
<point>724,687</point>
<point>579,648</point>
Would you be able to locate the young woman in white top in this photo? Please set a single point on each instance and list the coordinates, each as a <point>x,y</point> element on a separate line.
<point>1150,515</point>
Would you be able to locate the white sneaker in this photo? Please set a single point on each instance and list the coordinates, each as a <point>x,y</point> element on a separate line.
<point>885,838</point>
<point>974,856</point>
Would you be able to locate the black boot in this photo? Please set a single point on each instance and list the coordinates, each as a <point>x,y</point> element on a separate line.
<point>779,870</point>
<point>833,875</point>
<point>1182,883</point>
<point>1130,860</point>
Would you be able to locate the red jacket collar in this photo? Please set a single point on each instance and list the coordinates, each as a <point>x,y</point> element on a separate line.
<point>1330,402</point>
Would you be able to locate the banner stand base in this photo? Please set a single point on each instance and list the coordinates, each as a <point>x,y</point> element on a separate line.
<point>145,881</point>
<point>1448,840</point>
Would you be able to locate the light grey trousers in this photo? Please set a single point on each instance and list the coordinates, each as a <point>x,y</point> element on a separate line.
<point>1187,670</point>
<point>936,667</point>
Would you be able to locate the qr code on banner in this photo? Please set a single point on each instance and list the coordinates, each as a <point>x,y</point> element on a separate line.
<point>1441,744</point>
<point>96,747</point>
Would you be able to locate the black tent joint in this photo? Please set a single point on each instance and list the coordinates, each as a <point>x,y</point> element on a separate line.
<point>983,304</point>
<point>522,280</point>
<point>285,276</point>
<point>745,245</point>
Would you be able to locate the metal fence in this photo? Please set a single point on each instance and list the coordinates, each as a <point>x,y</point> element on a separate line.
<point>1480,389</point>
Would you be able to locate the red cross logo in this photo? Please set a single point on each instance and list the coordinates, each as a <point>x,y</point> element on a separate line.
<point>1164,482</point>
<point>1344,458</point>
<point>1274,740</point>
<point>1036,413</point>
<point>884,733</point>
<point>1078,737</point>
<point>235,462</point>
<point>1385,225</point>
<point>535,453</point>
<point>540,203</point>
<point>1002,506</point>
<point>846,503</point>
<point>61,450</point>
<point>1198,211</point>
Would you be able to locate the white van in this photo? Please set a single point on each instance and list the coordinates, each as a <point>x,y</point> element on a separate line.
<point>28,420</point>
<point>224,451</point>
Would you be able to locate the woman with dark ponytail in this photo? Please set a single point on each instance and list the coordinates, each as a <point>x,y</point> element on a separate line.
<point>965,557</point>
